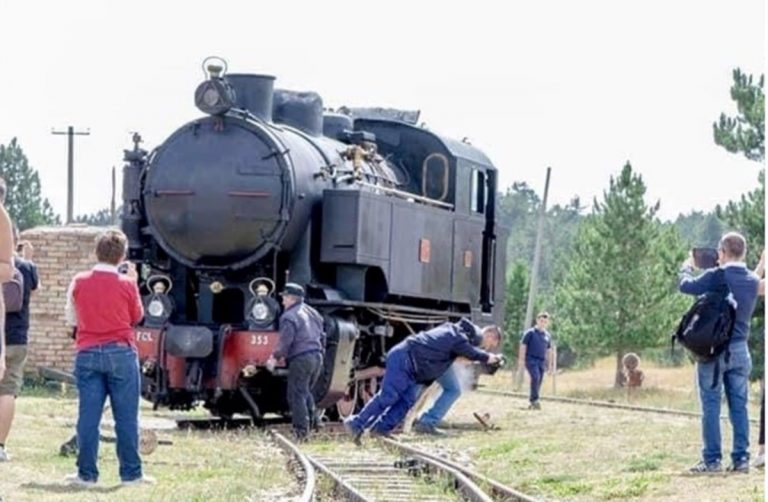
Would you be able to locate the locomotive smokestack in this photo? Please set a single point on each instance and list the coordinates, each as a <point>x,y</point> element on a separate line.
<point>253,93</point>
<point>302,110</point>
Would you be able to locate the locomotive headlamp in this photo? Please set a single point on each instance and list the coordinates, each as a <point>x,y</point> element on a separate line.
<point>260,311</point>
<point>156,308</point>
<point>214,97</point>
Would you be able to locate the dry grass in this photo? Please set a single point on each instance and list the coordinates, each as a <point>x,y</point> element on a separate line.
<point>664,387</point>
<point>198,466</point>
<point>582,453</point>
<point>563,452</point>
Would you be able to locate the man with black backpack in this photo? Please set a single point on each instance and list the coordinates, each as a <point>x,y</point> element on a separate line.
<point>728,363</point>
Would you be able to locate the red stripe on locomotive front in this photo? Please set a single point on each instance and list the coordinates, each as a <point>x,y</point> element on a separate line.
<point>242,348</point>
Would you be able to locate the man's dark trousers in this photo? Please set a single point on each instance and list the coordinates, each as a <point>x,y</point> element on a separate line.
<point>536,368</point>
<point>398,393</point>
<point>303,372</point>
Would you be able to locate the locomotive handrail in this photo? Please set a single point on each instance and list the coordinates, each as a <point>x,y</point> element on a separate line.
<point>407,195</point>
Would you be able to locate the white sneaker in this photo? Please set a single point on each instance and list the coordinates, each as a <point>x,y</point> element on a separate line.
<point>144,480</point>
<point>4,457</point>
<point>76,480</point>
<point>759,461</point>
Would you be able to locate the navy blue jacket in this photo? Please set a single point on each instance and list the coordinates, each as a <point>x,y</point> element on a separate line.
<point>432,352</point>
<point>537,342</point>
<point>17,323</point>
<point>301,332</point>
<point>743,285</point>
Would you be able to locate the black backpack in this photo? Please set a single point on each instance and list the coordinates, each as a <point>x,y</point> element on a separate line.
<point>706,329</point>
<point>13,292</point>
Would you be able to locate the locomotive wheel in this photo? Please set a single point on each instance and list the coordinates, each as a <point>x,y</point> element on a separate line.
<point>346,405</point>
<point>368,388</point>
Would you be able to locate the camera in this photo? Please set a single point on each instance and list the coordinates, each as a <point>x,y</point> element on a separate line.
<point>705,257</point>
<point>122,268</point>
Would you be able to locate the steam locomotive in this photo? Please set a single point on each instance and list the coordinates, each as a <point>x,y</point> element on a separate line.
<point>390,228</point>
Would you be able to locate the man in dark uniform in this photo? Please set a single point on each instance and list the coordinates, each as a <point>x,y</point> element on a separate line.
<point>536,354</point>
<point>418,360</point>
<point>302,342</point>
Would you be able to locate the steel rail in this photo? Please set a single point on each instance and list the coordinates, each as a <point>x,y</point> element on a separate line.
<point>602,404</point>
<point>351,491</point>
<point>308,494</point>
<point>499,490</point>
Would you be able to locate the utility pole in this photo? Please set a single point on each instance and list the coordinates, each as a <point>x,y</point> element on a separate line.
<point>534,273</point>
<point>112,202</point>
<point>71,133</point>
<point>536,256</point>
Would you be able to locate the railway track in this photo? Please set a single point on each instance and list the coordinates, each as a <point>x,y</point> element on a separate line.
<point>602,404</point>
<point>388,470</point>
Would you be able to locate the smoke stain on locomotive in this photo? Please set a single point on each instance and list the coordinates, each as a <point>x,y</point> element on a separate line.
<point>390,227</point>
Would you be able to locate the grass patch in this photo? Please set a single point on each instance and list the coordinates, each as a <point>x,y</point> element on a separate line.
<point>229,465</point>
<point>564,485</point>
<point>629,487</point>
<point>645,464</point>
<point>499,450</point>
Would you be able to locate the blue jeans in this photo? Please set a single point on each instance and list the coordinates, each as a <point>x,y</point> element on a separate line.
<point>734,377</point>
<point>536,368</point>
<point>449,381</point>
<point>108,370</point>
<point>398,393</point>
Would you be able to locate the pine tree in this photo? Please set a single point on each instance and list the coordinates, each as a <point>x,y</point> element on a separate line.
<point>619,294</point>
<point>516,301</point>
<point>744,133</point>
<point>23,201</point>
<point>101,218</point>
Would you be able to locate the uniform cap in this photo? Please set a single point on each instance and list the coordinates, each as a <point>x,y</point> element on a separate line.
<point>294,289</point>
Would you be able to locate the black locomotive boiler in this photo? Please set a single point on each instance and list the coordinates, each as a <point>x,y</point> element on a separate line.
<point>390,227</point>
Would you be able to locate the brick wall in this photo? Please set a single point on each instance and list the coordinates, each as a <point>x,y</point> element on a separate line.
<point>60,252</point>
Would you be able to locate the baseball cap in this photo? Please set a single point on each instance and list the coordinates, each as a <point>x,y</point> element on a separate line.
<point>544,314</point>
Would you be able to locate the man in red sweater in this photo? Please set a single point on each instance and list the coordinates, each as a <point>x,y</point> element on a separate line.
<point>104,305</point>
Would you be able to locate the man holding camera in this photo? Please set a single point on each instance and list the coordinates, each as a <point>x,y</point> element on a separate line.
<point>104,304</point>
<point>416,361</point>
<point>730,369</point>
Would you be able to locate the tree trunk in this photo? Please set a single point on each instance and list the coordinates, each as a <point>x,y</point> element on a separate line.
<point>617,384</point>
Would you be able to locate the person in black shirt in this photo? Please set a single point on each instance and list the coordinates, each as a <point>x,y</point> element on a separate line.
<point>536,355</point>
<point>16,328</point>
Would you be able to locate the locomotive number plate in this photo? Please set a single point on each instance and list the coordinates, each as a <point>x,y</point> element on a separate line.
<point>145,336</point>
<point>259,340</point>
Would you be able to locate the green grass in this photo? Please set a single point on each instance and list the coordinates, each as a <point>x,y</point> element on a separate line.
<point>581,453</point>
<point>200,465</point>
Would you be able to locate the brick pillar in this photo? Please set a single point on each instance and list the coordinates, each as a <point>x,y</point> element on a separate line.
<point>60,253</point>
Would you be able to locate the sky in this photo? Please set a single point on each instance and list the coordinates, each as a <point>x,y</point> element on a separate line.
<point>582,86</point>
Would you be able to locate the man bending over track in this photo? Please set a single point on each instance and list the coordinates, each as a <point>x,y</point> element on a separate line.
<point>418,360</point>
